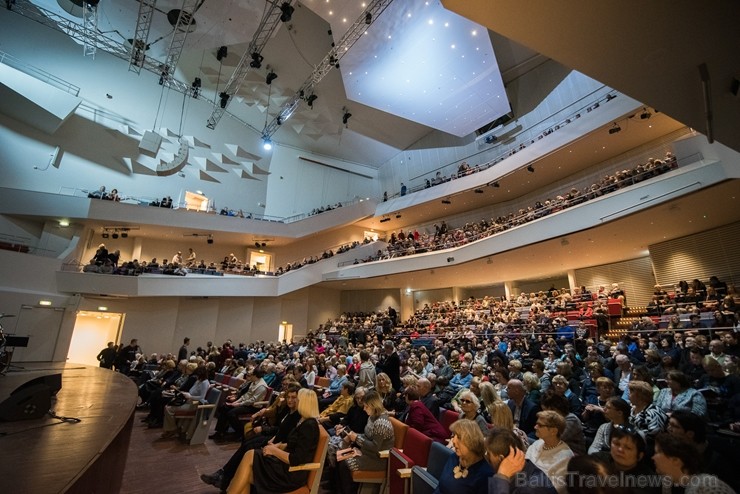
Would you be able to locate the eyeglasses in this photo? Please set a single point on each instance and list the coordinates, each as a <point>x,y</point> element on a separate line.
<point>463,400</point>
<point>628,429</point>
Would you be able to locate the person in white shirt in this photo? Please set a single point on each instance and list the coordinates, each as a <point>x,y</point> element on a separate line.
<point>549,453</point>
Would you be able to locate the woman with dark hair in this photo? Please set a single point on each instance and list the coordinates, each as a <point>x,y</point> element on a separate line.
<point>680,394</point>
<point>626,455</point>
<point>581,472</point>
<point>678,459</point>
<point>617,412</point>
<point>420,418</point>
<point>377,436</point>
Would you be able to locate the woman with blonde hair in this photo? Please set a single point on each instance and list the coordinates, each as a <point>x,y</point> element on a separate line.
<point>502,418</point>
<point>268,468</point>
<point>466,470</point>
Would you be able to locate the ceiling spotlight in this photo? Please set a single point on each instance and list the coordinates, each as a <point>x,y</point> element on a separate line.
<point>222,53</point>
<point>257,244</point>
<point>446,201</point>
<point>311,99</point>
<point>224,99</point>
<point>610,96</point>
<point>496,184</point>
<point>256,62</point>
<point>398,216</point>
<point>530,169</point>
<point>615,128</point>
<point>209,239</point>
<point>334,61</point>
<point>279,120</point>
<point>115,235</point>
<point>124,235</point>
<point>105,235</point>
<point>267,144</point>
<point>368,18</point>
<point>345,117</point>
<point>478,191</point>
<point>645,114</point>
<point>384,220</point>
<point>270,77</point>
<point>287,12</point>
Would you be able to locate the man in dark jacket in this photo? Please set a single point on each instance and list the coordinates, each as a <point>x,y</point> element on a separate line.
<point>107,356</point>
<point>514,474</point>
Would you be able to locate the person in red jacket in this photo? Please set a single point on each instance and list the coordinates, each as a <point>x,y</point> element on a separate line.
<point>420,418</point>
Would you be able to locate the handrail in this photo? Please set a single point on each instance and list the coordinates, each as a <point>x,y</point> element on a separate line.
<point>37,73</point>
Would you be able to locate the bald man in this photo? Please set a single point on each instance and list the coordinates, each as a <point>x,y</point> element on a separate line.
<point>522,408</point>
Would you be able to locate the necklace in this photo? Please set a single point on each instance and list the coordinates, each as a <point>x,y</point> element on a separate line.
<point>545,447</point>
<point>459,472</point>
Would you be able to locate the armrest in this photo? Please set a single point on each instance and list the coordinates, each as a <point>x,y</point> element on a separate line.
<point>404,473</point>
<point>305,466</point>
<point>260,404</point>
<point>384,454</point>
<point>206,407</point>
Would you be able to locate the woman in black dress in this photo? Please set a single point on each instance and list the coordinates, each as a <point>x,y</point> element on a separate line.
<point>268,468</point>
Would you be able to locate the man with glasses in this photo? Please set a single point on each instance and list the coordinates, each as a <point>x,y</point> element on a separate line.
<point>549,453</point>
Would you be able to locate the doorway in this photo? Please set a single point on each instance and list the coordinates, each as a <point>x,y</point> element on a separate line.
<point>92,332</point>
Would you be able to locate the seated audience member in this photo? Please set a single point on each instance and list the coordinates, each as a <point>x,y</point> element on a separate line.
<point>532,385</point>
<point>470,405</point>
<point>339,407</point>
<point>335,387</point>
<point>98,194</point>
<point>230,412</point>
<point>159,398</point>
<point>584,473</point>
<point>593,413</point>
<point>466,470</point>
<point>572,435</point>
<point>505,453</point>
<point>522,408</point>
<point>426,395</point>
<point>420,418</point>
<point>548,452</point>
<point>268,468</point>
<point>680,394</point>
<point>285,419</point>
<point>627,456</point>
<point>378,436</point>
<point>645,416</point>
<point>196,394</point>
<point>678,459</point>
<point>502,418</point>
<point>560,387</point>
<point>617,413</point>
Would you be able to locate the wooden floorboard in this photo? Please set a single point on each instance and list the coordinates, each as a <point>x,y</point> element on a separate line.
<point>168,465</point>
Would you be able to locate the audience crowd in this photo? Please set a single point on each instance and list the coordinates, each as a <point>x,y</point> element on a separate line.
<point>524,391</point>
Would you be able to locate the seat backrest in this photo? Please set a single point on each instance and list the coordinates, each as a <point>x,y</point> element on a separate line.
<point>438,456</point>
<point>314,476</point>
<point>399,432</point>
<point>447,418</point>
<point>422,482</point>
<point>416,446</point>
<point>324,382</point>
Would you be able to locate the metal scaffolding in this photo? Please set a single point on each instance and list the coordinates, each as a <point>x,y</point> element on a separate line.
<point>182,28</point>
<point>267,26</point>
<point>330,61</point>
<point>141,35</point>
<point>89,29</point>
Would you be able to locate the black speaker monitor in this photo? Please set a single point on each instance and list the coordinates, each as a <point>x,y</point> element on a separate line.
<point>27,402</point>
<point>52,381</point>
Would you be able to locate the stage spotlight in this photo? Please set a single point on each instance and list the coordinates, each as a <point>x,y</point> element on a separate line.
<point>105,235</point>
<point>270,77</point>
<point>311,99</point>
<point>496,184</point>
<point>645,114</point>
<point>368,18</point>
<point>264,244</point>
<point>210,240</point>
<point>256,62</point>
<point>346,117</point>
<point>530,169</point>
<point>124,235</point>
<point>115,235</point>
<point>616,128</point>
<point>279,120</point>
<point>478,191</point>
<point>334,61</point>
<point>385,220</point>
<point>610,97</point>
<point>267,144</point>
<point>222,53</point>
<point>224,99</point>
<point>287,12</point>
<point>257,244</point>
<point>446,201</point>
<point>398,216</point>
